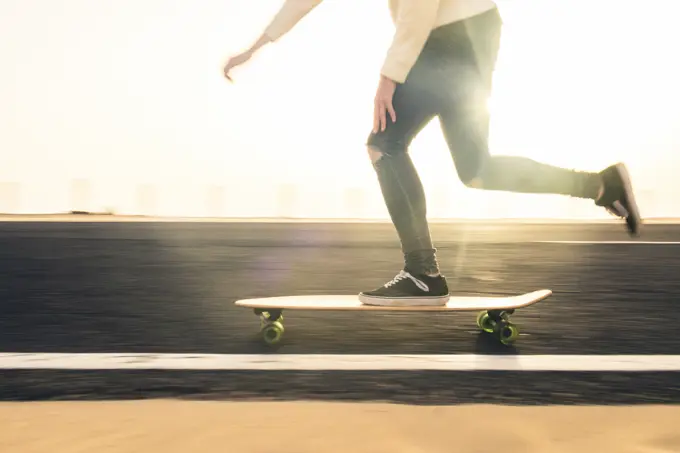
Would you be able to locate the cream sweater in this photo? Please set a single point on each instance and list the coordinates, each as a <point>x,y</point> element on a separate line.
<point>413,19</point>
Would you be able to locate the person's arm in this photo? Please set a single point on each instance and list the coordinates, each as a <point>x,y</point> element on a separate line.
<point>261,41</point>
<point>288,16</point>
<point>413,26</point>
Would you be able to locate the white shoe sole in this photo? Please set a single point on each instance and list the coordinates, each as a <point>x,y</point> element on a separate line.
<point>634,212</point>
<point>435,301</point>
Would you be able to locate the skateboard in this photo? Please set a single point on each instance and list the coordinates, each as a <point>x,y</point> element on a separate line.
<point>493,317</point>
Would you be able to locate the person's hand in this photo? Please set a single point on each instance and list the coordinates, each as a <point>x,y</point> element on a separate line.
<point>234,61</point>
<point>383,104</point>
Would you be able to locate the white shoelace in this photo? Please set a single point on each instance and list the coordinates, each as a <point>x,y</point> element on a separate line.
<point>403,275</point>
<point>400,276</point>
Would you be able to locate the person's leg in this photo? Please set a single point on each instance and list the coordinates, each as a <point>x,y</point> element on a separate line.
<point>420,282</point>
<point>466,130</point>
<point>399,181</point>
<point>610,188</point>
<point>465,123</point>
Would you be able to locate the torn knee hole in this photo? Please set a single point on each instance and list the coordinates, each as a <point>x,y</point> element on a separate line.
<point>375,154</point>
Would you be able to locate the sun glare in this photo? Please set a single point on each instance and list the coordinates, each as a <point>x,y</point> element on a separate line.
<point>140,113</point>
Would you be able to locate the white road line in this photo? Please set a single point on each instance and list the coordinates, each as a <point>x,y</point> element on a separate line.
<point>610,242</point>
<point>326,362</point>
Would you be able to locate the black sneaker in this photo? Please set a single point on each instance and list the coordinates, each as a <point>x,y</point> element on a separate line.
<point>407,289</point>
<point>618,197</point>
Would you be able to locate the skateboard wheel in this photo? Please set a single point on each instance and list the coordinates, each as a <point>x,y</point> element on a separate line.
<point>272,333</point>
<point>485,322</point>
<point>507,332</point>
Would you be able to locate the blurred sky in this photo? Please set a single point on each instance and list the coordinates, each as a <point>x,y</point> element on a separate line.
<point>127,94</point>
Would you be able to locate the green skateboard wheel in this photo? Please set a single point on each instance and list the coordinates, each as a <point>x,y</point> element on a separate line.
<point>272,333</point>
<point>485,322</point>
<point>507,332</point>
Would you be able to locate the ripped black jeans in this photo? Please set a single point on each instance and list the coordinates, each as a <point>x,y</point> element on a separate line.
<point>452,80</point>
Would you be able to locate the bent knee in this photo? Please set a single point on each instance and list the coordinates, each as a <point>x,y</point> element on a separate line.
<point>474,183</point>
<point>475,173</point>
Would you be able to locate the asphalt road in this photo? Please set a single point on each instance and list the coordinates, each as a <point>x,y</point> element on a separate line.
<point>170,287</point>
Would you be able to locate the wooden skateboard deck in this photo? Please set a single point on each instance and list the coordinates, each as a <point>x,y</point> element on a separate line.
<point>494,311</point>
<point>341,303</point>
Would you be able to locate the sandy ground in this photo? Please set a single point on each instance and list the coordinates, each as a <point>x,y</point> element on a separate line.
<point>183,426</point>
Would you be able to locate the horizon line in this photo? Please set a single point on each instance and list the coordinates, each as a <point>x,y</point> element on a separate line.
<point>106,217</point>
